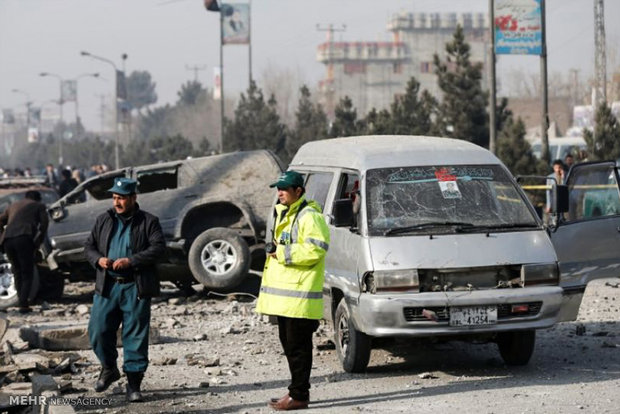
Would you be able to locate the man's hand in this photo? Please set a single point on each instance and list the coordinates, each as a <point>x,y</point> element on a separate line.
<point>120,264</point>
<point>273,255</point>
<point>105,262</point>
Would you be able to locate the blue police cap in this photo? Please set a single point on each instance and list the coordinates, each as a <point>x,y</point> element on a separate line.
<point>123,186</point>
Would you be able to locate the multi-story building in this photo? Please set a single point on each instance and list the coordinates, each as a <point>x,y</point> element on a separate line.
<point>373,73</point>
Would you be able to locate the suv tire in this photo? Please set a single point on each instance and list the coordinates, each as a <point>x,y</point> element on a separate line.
<point>8,292</point>
<point>219,258</point>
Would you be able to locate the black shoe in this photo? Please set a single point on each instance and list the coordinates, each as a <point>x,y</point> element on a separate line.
<point>25,309</point>
<point>134,379</point>
<point>106,377</point>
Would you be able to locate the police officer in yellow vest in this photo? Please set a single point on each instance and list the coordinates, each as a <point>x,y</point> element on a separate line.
<point>292,284</point>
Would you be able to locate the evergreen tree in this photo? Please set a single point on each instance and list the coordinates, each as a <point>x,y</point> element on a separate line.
<point>376,123</point>
<point>462,112</point>
<point>256,124</point>
<point>191,92</point>
<point>411,115</point>
<point>345,123</point>
<point>310,123</point>
<point>515,152</point>
<point>604,143</point>
<point>140,90</point>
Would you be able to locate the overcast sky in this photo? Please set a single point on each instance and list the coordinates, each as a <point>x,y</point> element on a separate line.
<point>166,36</point>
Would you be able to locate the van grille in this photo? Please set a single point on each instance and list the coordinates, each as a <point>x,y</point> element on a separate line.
<point>414,314</point>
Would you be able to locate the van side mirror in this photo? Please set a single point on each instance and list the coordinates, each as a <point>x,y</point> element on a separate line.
<point>560,199</point>
<point>343,212</point>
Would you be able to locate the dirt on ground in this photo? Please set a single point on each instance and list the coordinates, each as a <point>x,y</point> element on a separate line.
<point>215,355</point>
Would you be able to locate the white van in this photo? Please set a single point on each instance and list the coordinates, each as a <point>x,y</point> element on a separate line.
<point>432,237</point>
<point>560,147</point>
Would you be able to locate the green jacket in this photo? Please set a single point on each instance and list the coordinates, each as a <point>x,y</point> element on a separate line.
<point>292,282</point>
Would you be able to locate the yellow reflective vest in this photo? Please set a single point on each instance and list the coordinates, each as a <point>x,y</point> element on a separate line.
<point>292,282</point>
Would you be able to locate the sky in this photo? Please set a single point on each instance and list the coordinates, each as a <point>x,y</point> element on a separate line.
<point>166,37</point>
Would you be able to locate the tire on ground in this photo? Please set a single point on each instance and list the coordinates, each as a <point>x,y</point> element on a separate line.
<point>517,347</point>
<point>8,291</point>
<point>219,258</point>
<point>51,286</point>
<point>353,347</point>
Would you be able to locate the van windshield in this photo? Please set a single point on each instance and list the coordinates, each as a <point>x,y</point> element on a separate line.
<point>444,199</point>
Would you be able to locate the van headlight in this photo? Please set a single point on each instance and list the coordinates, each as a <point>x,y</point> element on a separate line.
<point>406,280</point>
<point>540,274</point>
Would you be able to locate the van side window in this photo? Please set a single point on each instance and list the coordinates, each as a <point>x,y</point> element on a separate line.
<point>349,187</point>
<point>593,192</point>
<point>317,187</point>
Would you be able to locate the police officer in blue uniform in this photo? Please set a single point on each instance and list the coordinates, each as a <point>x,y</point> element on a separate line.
<point>123,247</point>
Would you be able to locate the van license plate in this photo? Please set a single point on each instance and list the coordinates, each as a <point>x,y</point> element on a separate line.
<point>473,315</point>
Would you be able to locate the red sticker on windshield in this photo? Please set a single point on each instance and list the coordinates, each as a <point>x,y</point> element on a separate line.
<point>442,174</point>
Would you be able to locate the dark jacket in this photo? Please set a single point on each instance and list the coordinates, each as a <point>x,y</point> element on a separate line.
<point>24,218</point>
<point>147,244</point>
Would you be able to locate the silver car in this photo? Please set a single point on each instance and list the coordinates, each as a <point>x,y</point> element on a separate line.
<point>430,237</point>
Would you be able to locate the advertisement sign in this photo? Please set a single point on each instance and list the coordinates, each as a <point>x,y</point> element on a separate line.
<point>68,90</point>
<point>518,27</point>
<point>217,83</point>
<point>235,23</point>
<point>33,135</point>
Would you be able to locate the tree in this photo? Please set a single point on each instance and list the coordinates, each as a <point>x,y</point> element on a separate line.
<point>140,90</point>
<point>190,93</point>
<point>604,143</point>
<point>515,152</point>
<point>158,149</point>
<point>345,123</point>
<point>411,115</point>
<point>310,123</point>
<point>256,124</point>
<point>156,122</point>
<point>376,123</point>
<point>462,112</point>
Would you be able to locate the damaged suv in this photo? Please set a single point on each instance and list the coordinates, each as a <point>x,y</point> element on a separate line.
<point>430,238</point>
<point>212,211</point>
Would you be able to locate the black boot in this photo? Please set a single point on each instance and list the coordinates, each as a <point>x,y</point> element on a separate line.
<point>134,379</point>
<point>106,377</point>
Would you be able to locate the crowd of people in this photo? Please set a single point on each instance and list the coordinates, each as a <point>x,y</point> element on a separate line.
<point>63,179</point>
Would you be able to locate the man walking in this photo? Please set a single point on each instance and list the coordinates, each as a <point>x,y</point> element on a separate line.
<point>26,225</point>
<point>292,283</point>
<point>123,246</point>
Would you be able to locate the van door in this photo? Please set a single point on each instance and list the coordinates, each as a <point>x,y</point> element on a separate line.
<point>341,264</point>
<point>586,243</point>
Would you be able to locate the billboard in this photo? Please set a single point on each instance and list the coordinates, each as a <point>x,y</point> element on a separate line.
<point>235,23</point>
<point>217,83</point>
<point>68,90</point>
<point>518,27</point>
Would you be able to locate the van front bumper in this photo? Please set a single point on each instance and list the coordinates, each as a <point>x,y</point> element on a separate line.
<point>391,314</point>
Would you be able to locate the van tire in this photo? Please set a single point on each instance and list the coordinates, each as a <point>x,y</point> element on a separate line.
<point>517,347</point>
<point>219,258</point>
<point>353,347</point>
<point>8,292</point>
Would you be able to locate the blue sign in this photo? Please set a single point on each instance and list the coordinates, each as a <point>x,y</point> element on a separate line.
<point>518,27</point>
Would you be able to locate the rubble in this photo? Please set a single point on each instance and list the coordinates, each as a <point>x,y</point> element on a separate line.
<point>4,325</point>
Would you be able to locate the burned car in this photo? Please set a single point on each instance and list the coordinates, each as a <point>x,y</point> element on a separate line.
<point>212,211</point>
<point>11,190</point>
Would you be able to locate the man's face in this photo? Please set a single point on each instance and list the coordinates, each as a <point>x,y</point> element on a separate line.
<point>557,168</point>
<point>289,195</point>
<point>569,161</point>
<point>124,204</point>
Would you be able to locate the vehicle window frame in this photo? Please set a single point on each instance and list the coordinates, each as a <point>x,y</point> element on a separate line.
<point>577,170</point>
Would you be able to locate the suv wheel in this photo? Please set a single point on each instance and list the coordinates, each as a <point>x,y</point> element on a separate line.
<point>353,347</point>
<point>219,258</point>
<point>8,290</point>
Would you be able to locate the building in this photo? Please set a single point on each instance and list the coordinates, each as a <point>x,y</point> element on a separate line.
<point>373,73</point>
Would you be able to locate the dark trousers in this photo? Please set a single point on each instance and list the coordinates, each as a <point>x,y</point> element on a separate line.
<point>121,305</point>
<point>20,251</point>
<point>296,339</point>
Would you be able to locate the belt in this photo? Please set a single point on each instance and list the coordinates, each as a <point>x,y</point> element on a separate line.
<point>122,280</point>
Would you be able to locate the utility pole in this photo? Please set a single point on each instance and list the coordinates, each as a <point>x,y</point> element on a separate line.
<point>492,81</point>
<point>330,63</point>
<point>600,92</point>
<point>543,78</point>
<point>195,69</point>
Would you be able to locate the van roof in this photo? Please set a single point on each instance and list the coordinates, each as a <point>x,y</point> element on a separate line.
<point>384,151</point>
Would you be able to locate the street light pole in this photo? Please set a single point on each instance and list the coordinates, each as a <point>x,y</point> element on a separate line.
<point>61,103</point>
<point>77,112</point>
<point>28,102</point>
<point>116,137</point>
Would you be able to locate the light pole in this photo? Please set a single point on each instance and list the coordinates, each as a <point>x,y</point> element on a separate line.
<point>116,137</point>
<point>61,103</point>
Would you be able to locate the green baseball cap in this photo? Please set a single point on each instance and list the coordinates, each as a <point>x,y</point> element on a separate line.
<point>123,186</point>
<point>289,179</point>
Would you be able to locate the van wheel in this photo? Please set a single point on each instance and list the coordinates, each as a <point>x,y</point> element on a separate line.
<point>219,258</point>
<point>8,290</point>
<point>516,348</point>
<point>353,347</point>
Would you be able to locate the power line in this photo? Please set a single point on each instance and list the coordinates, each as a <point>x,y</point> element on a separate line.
<point>196,69</point>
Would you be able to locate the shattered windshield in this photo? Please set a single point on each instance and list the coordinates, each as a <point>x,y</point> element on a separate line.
<point>444,199</point>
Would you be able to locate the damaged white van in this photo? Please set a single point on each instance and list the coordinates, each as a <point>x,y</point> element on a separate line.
<point>429,237</point>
